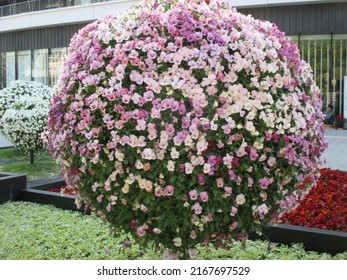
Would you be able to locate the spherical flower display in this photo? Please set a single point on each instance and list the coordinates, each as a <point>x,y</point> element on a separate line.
<point>185,122</point>
<point>24,121</point>
<point>20,89</point>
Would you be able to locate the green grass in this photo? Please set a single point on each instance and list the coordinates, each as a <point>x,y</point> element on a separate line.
<point>44,166</point>
<point>40,169</point>
<point>32,231</point>
<point>7,155</point>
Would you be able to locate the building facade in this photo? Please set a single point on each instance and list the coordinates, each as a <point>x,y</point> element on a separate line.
<point>34,35</point>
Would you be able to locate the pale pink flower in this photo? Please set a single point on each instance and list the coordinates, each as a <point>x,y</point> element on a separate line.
<point>169,190</point>
<point>234,225</point>
<point>271,161</point>
<point>146,166</point>
<point>203,196</point>
<point>197,208</point>
<point>220,182</point>
<point>193,194</point>
<point>188,168</point>
<point>193,253</point>
<point>141,231</point>
<point>233,211</point>
<point>138,164</point>
<point>228,191</point>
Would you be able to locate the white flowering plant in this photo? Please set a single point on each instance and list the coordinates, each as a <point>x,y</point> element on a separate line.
<point>186,122</point>
<point>19,89</point>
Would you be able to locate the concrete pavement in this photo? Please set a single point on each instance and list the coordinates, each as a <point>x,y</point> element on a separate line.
<point>335,155</point>
<point>4,143</point>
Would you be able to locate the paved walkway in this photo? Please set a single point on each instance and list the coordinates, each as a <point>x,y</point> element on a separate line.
<point>4,143</point>
<point>336,154</point>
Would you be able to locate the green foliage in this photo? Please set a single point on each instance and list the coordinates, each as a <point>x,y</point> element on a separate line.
<point>17,161</point>
<point>32,231</point>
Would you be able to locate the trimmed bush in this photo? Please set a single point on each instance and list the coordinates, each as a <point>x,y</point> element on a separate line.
<point>19,89</point>
<point>24,122</point>
<point>186,123</point>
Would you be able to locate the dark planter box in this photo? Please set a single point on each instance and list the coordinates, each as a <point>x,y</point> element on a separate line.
<point>39,194</point>
<point>10,184</point>
<point>319,240</point>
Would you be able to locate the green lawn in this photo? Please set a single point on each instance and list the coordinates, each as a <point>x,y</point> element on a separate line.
<point>32,231</point>
<point>7,155</point>
<point>40,169</point>
<point>19,162</point>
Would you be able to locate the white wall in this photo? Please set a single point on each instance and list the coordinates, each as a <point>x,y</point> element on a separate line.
<point>90,12</point>
<point>74,14</point>
<point>259,3</point>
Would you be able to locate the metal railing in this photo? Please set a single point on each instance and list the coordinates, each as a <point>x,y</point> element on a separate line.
<point>39,5</point>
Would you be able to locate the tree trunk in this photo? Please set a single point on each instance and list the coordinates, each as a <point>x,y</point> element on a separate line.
<point>32,157</point>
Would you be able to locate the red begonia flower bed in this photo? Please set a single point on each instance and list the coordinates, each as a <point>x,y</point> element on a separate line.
<point>63,190</point>
<point>325,206</point>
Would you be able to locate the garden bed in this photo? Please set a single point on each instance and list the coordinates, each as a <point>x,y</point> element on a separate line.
<point>319,240</point>
<point>39,193</point>
<point>10,184</point>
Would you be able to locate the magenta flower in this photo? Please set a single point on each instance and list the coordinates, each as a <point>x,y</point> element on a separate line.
<point>201,178</point>
<point>264,183</point>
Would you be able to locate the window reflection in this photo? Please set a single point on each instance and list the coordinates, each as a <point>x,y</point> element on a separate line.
<point>55,57</point>
<point>10,67</point>
<point>40,66</point>
<point>24,65</point>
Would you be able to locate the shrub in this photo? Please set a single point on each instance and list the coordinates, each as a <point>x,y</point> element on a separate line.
<point>19,89</point>
<point>24,122</point>
<point>186,123</point>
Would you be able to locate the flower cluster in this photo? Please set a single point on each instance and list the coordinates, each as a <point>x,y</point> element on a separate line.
<point>21,89</point>
<point>325,206</point>
<point>62,190</point>
<point>185,122</point>
<point>24,121</point>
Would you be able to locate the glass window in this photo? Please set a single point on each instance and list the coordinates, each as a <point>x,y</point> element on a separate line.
<point>55,57</point>
<point>10,67</point>
<point>327,56</point>
<point>340,70</point>
<point>316,50</point>
<point>24,65</point>
<point>40,66</point>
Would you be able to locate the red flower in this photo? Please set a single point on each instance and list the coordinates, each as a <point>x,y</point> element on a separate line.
<point>325,206</point>
<point>63,189</point>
